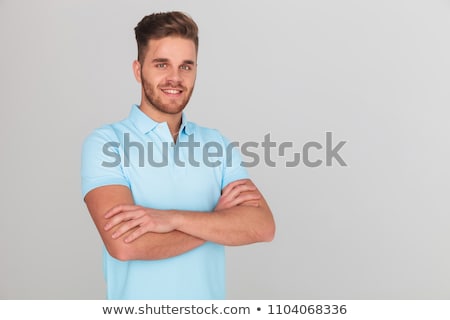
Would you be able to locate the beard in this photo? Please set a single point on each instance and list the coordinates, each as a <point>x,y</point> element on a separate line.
<point>154,96</point>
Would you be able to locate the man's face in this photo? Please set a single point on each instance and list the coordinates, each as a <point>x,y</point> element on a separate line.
<point>168,74</point>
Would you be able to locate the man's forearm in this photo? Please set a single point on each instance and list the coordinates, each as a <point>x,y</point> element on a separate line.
<point>150,246</point>
<point>234,226</point>
<point>154,246</point>
<point>241,216</point>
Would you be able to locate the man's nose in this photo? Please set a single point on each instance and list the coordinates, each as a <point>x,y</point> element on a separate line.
<point>174,75</point>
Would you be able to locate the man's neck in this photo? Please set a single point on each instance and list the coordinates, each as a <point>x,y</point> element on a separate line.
<point>173,120</point>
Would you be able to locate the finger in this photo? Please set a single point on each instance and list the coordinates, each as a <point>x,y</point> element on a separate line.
<point>118,209</point>
<point>136,234</point>
<point>247,199</point>
<point>228,201</point>
<point>232,195</point>
<point>240,189</point>
<point>251,203</point>
<point>122,217</point>
<point>244,197</point>
<point>125,227</point>
<point>231,185</point>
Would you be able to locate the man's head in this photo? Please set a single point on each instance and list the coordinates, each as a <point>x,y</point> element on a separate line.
<point>167,62</point>
<point>165,24</point>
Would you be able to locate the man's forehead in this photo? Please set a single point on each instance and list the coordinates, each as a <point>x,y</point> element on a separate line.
<point>172,46</point>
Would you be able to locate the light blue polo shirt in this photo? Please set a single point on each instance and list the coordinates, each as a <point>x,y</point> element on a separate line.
<point>138,153</point>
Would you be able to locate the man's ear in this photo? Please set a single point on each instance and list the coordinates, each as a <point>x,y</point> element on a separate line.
<point>137,70</point>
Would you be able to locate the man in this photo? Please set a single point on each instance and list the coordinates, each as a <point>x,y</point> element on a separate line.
<point>165,194</point>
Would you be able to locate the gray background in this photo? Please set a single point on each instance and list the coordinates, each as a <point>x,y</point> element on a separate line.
<point>375,73</point>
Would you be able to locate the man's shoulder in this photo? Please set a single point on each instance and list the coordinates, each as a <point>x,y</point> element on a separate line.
<point>109,131</point>
<point>204,132</point>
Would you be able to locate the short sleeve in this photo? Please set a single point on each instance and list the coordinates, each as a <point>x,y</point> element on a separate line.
<point>232,164</point>
<point>100,161</point>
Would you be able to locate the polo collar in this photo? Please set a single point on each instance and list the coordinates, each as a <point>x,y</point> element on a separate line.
<point>145,124</point>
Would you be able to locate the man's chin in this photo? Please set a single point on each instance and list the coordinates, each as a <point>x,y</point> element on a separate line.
<point>168,106</point>
<point>171,109</point>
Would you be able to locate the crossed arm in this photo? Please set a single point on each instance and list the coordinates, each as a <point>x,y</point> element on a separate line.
<point>132,232</point>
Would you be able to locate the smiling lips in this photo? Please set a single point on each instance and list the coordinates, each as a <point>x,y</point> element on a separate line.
<point>172,91</point>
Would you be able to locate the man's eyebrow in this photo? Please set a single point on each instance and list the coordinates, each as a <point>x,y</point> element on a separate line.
<point>160,60</point>
<point>165,60</point>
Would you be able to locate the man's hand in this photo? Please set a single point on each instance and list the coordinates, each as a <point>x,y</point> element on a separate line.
<point>141,219</point>
<point>239,192</point>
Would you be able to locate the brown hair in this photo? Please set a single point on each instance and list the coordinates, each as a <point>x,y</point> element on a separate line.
<point>164,24</point>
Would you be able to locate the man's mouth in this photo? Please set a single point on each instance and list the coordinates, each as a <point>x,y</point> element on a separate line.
<point>172,91</point>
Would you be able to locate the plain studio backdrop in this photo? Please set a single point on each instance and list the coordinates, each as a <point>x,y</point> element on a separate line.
<point>376,74</point>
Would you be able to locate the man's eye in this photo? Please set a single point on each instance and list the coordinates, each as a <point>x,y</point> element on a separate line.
<point>161,65</point>
<point>185,67</point>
